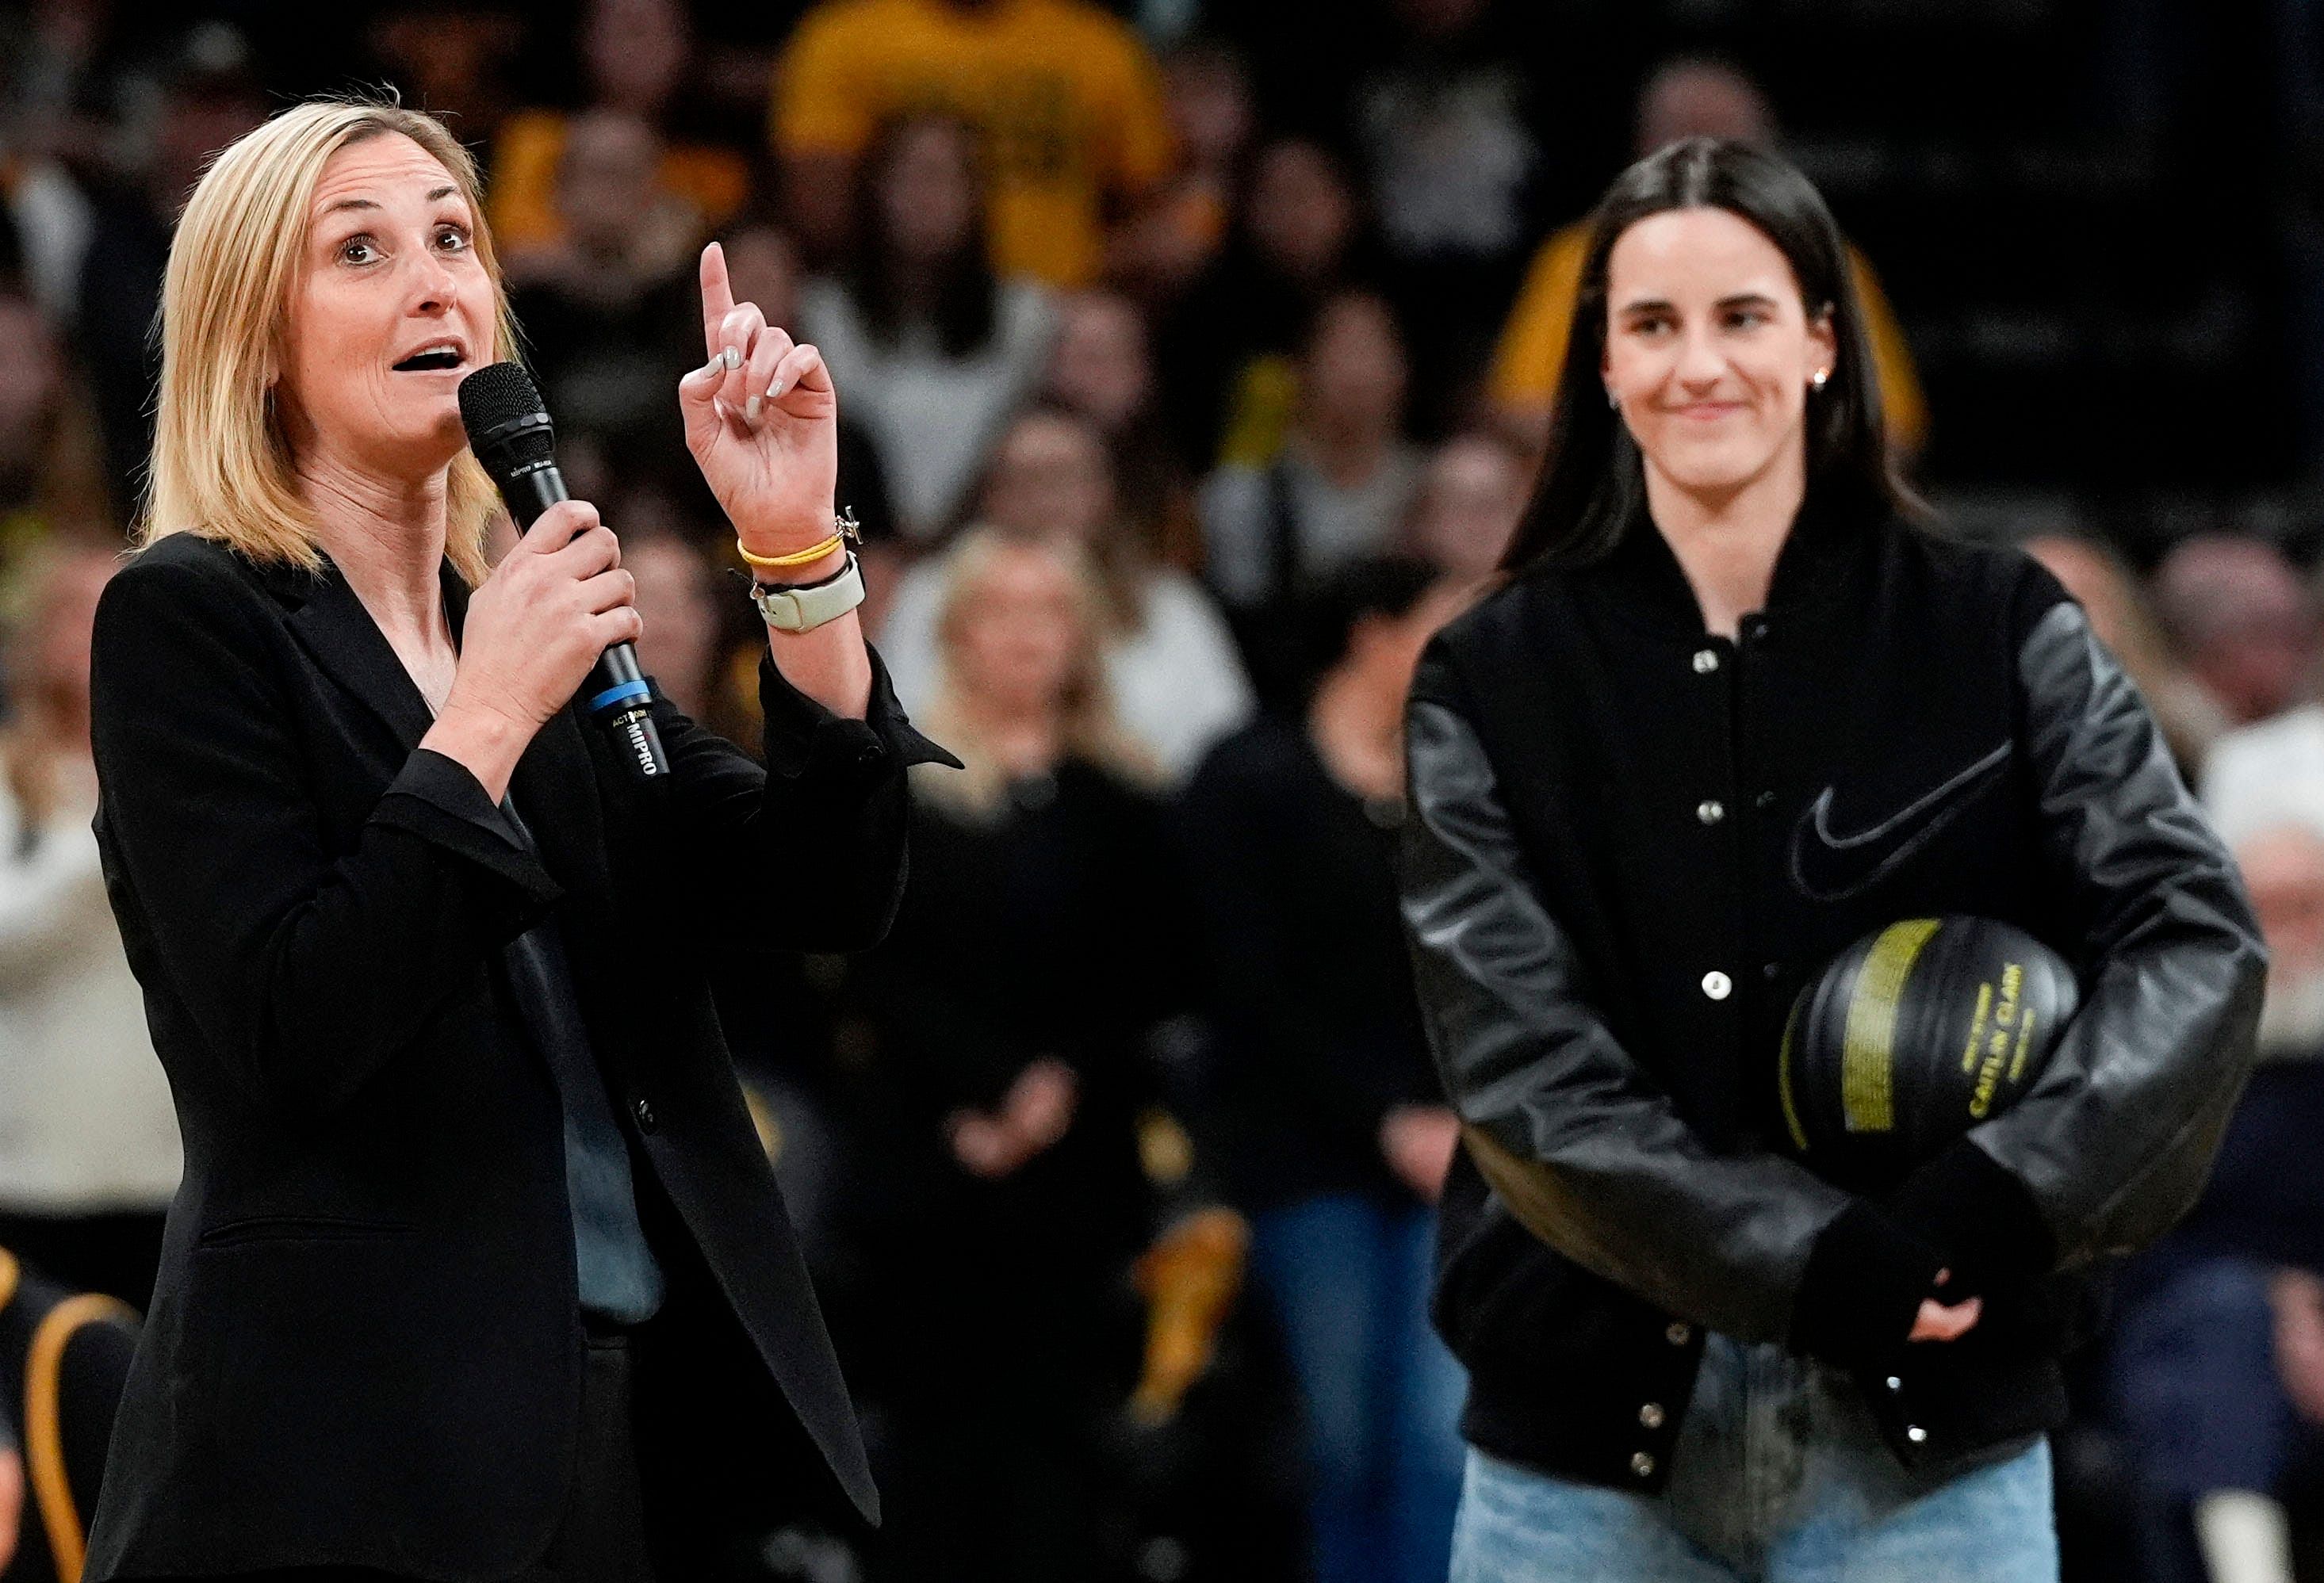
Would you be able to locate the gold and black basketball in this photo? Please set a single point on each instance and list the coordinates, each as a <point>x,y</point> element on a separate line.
<point>1912,1035</point>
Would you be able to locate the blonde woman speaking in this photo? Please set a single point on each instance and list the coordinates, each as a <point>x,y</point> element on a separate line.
<point>477,1271</point>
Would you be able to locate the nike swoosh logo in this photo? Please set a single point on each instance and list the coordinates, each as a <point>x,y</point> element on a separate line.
<point>1826,867</point>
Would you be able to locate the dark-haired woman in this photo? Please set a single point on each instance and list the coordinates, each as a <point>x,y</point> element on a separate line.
<point>1733,710</point>
<point>937,353</point>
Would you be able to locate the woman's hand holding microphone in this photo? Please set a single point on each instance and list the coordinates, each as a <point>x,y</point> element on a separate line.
<point>554,603</point>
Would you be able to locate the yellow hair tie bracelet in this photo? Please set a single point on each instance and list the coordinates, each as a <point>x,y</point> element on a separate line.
<point>775,563</point>
<point>845,531</point>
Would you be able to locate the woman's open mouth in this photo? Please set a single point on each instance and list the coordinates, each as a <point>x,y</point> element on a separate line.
<point>431,360</point>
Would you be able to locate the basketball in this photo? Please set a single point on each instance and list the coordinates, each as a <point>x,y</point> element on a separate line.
<point>1912,1035</point>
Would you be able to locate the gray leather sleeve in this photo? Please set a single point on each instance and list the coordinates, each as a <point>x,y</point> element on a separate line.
<point>2115,1137</point>
<point>1575,1140</point>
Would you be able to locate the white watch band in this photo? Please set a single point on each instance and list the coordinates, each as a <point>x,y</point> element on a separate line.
<point>803,610</point>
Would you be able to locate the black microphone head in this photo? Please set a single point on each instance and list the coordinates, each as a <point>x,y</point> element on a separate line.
<point>506,419</point>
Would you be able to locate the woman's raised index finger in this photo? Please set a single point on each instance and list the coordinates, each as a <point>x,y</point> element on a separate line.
<point>717,298</point>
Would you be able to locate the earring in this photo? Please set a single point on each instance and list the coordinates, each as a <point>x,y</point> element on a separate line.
<point>1821,374</point>
<point>1613,401</point>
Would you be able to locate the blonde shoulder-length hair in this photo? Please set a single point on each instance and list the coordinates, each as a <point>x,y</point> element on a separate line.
<point>1089,729</point>
<point>222,466</point>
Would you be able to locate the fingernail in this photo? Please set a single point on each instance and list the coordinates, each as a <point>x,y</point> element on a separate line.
<point>777,387</point>
<point>732,358</point>
<point>750,408</point>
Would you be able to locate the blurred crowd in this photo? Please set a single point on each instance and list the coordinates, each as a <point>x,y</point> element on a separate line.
<point>1187,384</point>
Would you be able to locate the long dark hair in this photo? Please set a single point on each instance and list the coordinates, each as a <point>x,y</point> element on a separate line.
<point>966,292</point>
<point>1592,486</point>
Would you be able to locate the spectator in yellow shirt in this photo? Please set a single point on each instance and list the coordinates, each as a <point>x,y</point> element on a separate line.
<point>1685,98</point>
<point>1066,98</point>
<point>637,54</point>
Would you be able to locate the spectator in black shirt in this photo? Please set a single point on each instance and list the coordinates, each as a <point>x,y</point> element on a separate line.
<point>993,1065</point>
<point>1333,1131</point>
<point>1225,348</point>
<point>1456,136</point>
<point>2215,1363</point>
<point>609,307</point>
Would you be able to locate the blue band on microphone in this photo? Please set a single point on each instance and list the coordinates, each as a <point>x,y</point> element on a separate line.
<point>640,688</point>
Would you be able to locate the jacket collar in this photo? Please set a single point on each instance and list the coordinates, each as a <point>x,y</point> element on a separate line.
<point>330,623</point>
<point>1641,580</point>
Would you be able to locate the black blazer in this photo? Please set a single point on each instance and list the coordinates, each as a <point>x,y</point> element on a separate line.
<point>364,1348</point>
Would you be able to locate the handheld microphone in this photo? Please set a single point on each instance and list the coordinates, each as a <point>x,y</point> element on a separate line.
<point>510,431</point>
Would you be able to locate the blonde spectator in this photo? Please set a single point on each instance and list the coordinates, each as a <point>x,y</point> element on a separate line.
<point>89,1153</point>
<point>1169,660</point>
<point>1063,96</point>
<point>1020,630</point>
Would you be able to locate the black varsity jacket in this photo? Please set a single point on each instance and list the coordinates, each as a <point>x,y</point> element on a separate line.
<point>1633,843</point>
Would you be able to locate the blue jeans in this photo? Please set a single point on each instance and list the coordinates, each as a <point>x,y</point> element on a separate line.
<point>1778,1476</point>
<point>1349,1278</point>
